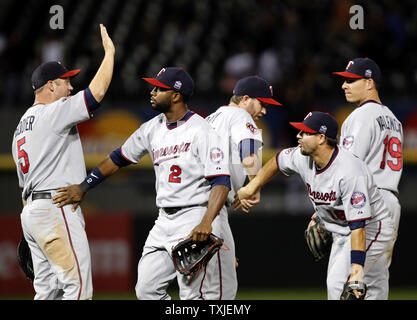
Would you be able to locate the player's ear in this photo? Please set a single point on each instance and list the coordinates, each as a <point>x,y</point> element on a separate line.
<point>370,84</point>
<point>50,85</point>
<point>176,97</point>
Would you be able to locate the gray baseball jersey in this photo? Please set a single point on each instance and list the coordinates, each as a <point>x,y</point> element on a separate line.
<point>342,192</point>
<point>235,125</point>
<point>375,135</point>
<point>183,154</point>
<point>46,145</point>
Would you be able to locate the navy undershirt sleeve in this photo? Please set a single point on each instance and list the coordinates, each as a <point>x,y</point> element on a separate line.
<point>118,159</point>
<point>220,180</point>
<point>356,224</point>
<point>90,100</point>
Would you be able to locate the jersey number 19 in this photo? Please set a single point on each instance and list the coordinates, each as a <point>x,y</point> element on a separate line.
<point>393,146</point>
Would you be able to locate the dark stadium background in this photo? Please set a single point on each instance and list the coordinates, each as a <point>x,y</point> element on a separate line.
<point>295,45</point>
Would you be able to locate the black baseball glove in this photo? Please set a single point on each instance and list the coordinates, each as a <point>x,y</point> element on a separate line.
<point>190,256</point>
<point>319,240</point>
<point>348,294</point>
<point>24,257</point>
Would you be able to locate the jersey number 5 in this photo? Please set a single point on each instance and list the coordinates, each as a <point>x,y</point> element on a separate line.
<point>175,174</point>
<point>393,146</point>
<point>22,154</point>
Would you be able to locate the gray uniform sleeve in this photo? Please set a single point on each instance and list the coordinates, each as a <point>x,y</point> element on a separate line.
<point>356,135</point>
<point>67,112</point>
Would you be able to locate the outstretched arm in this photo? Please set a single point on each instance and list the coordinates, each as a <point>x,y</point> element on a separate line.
<point>268,171</point>
<point>101,80</point>
<point>252,164</point>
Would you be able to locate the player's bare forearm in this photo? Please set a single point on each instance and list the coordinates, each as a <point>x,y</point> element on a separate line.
<point>252,165</point>
<point>358,239</point>
<point>107,167</point>
<point>102,79</point>
<point>358,242</point>
<point>217,199</point>
<point>268,171</point>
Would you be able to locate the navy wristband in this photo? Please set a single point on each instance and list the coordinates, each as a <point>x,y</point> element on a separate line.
<point>358,257</point>
<point>92,180</point>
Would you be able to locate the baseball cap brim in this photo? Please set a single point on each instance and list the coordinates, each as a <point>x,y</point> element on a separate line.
<point>70,73</point>
<point>156,83</point>
<point>346,74</point>
<point>302,127</point>
<point>269,101</point>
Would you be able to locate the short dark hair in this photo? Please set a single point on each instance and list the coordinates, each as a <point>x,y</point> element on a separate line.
<point>236,99</point>
<point>331,142</point>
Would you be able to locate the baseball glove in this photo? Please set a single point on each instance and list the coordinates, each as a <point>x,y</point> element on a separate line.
<point>319,240</point>
<point>348,294</point>
<point>190,256</point>
<point>24,257</point>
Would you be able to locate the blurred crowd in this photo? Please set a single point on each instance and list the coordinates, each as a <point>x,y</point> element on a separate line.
<point>295,45</point>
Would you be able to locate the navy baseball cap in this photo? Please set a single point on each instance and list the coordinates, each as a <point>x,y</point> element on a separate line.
<point>50,71</point>
<point>318,122</point>
<point>173,78</point>
<point>361,68</point>
<point>255,87</point>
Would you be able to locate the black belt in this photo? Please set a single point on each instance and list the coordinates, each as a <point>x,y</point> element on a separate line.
<point>172,210</point>
<point>41,195</point>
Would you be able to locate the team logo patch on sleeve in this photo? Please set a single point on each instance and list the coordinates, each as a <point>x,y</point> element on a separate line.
<point>348,142</point>
<point>216,155</point>
<point>251,127</point>
<point>358,200</point>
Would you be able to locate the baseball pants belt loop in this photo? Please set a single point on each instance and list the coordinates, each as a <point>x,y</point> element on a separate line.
<point>41,195</point>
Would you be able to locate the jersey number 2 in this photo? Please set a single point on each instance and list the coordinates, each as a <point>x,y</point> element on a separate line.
<point>22,154</point>
<point>396,153</point>
<point>175,174</point>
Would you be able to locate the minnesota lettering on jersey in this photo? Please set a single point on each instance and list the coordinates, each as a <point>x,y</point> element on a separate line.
<point>25,124</point>
<point>325,197</point>
<point>171,152</point>
<point>388,123</point>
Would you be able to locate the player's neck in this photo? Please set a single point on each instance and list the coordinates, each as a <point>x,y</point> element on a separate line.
<point>43,99</point>
<point>323,156</point>
<point>372,96</point>
<point>175,115</point>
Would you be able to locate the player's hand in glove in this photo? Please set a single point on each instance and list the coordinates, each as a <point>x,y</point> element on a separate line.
<point>72,194</point>
<point>202,231</point>
<point>319,240</point>
<point>355,288</point>
<point>24,257</point>
<point>190,257</point>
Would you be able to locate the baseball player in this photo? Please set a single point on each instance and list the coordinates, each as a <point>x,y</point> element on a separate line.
<point>236,121</point>
<point>343,193</point>
<point>373,133</point>
<point>192,184</point>
<point>48,155</point>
